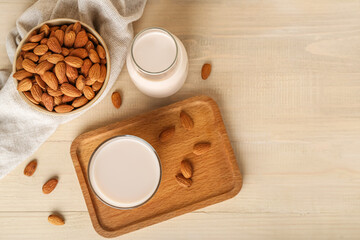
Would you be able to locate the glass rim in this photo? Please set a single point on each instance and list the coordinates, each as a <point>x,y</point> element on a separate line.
<point>137,139</point>
<point>132,52</point>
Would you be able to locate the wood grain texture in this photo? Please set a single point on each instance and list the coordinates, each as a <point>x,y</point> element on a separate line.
<point>216,178</point>
<point>286,78</point>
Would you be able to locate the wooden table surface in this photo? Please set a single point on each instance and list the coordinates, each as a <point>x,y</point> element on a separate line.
<point>286,75</point>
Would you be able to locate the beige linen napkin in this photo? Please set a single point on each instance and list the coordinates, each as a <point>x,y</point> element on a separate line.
<point>23,129</point>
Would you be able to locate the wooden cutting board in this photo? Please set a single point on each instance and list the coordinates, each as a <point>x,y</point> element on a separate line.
<point>216,173</point>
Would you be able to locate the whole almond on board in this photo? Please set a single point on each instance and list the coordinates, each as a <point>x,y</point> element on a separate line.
<point>44,41</point>
<point>205,71</point>
<point>41,49</point>
<point>30,97</point>
<point>66,99</point>
<point>186,168</point>
<point>186,120</point>
<point>93,55</point>
<point>54,93</point>
<point>56,220</point>
<point>30,168</point>
<point>94,72</point>
<point>75,62</point>
<point>45,28</point>
<point>44,57</point>
<point>32,56</point>
<point>79,52</point>
<point>29,65</point>
<point>64,108</point>
<point>49,186</point>
<point>167,134</point>
<point>89,45</point>
<point>36,92</point>
<point>81,39</point>
<point>21,74</point>
<point>60,72</point>
<point>37,37</point>
<point>71,73</point>
<point>80,101</point>
<point>101,51</point>
<point>97,86</point>
<point>89,81</point>
<point>69,39</point>
<point>77,27</point>
<point>50,79</point>
<point>42,67</point>
<point>70,90</point>
<point>59,34</point>
<point>88,92</point>
<point>29,46</point>
<point>24,85</point>
<point>40,82</point>
<point>55,58</point>
<point>116,99</point>
<point>201,148</point>
<point>19,63</point>
<point>86,67</point>
<point>57,100</point>
<point>65,51</point>
<point>48,101</point>
<point>54,45</point>
<point>182,181</point>
<point>80,82</point>
<point>102,73</point>
<point>93,38</point>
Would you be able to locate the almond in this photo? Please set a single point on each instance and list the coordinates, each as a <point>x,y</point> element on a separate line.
<point>57,100</point>
<point>21,74</point>
<point>205,71</point>
<point>52,34</point>
<point>88,92</point>
<point>69,39</point>
<point>89,45</point>
<point>94,72</point>
<point>80,82</point>
<point>60,72</point>
<point>54,93</point>
<point>24,85</point>
<point>32,56</point>
<point>102,73</point>
<point>19,63</point>
<point>201,148</point>
<point>59,34</point>
<point>94,57</point>
<point>29,46</point>
<point>182,181</point>
<point>103,61</point>
<point>40,82</point>
<point>75,62</point>
<point>70,90</point>
<point>50,79</point>
<point>30,168</point>
<point>186,120</point>
<point>41,49</point>
<point>86,67</point>
<point>54,45</point>
<point>55,58</point>
<point>30,97</point>
<point>56,220</point>
<point>49,186</point>
<point>116,99</point>
<point>44,41</point>
<point>65,51</point>
<point>66,99</point>
<point>101,51</point>
<point>54,28</point>
<point>44,57</point>
<point>63,108</point>
<point>64,27</point>
<point>80,101</point>
<point>89,81</point>
<point>69,28</point>
<point>71,73</point>
<point>93,38</point>
<point>46,29</point>
<point>167,134</point>
<point>48,101</point>
<point>79,52</point>
<point>37,37</point>
<point>29,65</point>
<point>36,92</point>
<point>42,67</point>
<point>81,39</point>
<point>96,86</point>
<point>77,27</point>
<point>186,168</point>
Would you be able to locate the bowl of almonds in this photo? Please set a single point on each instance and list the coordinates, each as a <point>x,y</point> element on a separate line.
<point>62,66</point>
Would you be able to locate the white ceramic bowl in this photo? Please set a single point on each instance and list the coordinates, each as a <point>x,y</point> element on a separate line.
<point>55,22</point>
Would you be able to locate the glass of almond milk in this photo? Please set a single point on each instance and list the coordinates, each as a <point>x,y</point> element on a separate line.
<point>157,62</point>
<point>124,172</point>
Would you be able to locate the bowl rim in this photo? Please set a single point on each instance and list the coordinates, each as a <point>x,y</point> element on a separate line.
<point>55,22</point>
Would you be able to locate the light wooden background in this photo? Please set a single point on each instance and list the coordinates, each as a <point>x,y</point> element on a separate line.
<point>286,74</point>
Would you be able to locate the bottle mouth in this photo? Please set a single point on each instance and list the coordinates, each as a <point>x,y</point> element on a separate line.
<point>142,33</point>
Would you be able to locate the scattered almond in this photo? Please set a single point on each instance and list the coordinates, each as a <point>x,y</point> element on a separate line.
<point>116,99</point>
<point>201,148</point>
<point>205,71</point>
<point>186,168</point>
<point>186,120</point>
<point>49,186</point>
<point>182,181</point>
<point>30,168</point>
<point>167,134</point>
<point>56,220</point>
